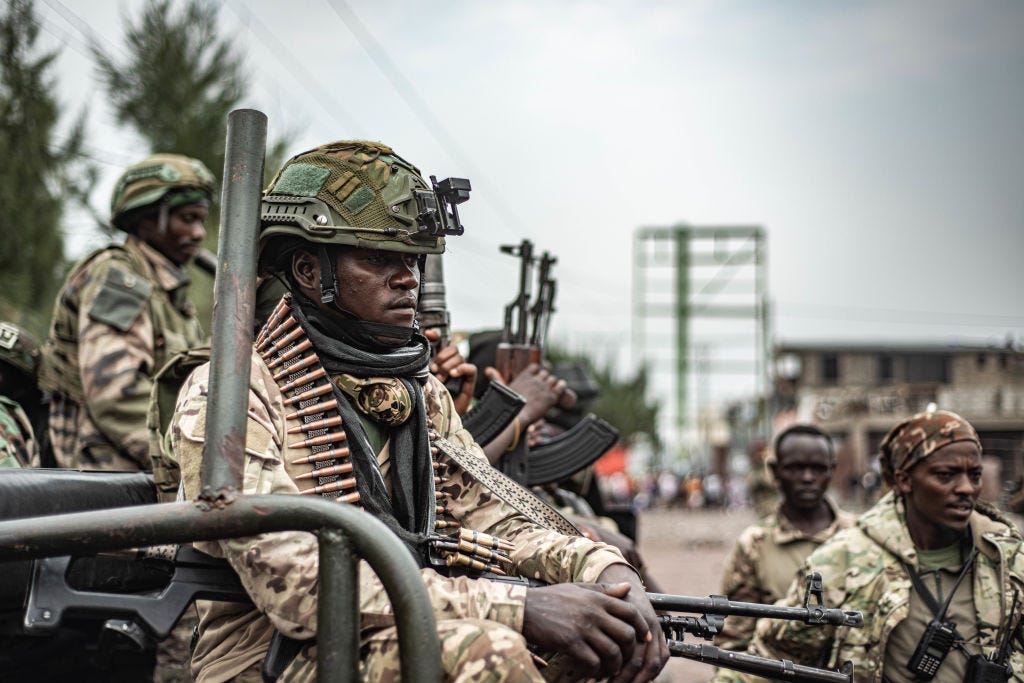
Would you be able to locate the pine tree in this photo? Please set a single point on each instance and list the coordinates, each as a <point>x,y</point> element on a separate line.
<point>176,88</point>
<point>39,175</point>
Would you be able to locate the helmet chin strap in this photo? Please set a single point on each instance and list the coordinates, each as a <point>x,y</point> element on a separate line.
<point>364,331</point>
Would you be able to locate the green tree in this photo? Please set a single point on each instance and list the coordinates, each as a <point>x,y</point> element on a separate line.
<point>622,402</point>
<point>40,175</point>
<point>175,88</point>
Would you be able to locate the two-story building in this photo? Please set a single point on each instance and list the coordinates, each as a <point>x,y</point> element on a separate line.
<point>859,391</point>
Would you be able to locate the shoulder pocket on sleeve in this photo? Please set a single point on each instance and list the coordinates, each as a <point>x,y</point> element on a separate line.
<point>120,299</point>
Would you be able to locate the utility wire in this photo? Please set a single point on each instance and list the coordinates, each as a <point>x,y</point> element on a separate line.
<point>64,37</point>
<point>506,215</point>
<point>318,92</point>
<point>82,26</point>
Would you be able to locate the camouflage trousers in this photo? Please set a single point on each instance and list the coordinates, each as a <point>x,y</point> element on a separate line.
<point>472,651</point>
<point>175,651</point>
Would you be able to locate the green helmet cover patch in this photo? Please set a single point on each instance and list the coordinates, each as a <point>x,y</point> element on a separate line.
<point>301,180</point>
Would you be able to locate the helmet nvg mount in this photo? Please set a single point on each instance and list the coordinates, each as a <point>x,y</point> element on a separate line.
<point>174,178</point>
<point>361,194</point>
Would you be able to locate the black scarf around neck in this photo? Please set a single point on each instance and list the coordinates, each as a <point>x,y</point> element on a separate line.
<point>409,511</point>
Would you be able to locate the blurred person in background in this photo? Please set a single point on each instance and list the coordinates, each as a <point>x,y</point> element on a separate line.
<point>768,554</point>
<point>122,313</point>
<point>938,574</point>
<point>19,396</point>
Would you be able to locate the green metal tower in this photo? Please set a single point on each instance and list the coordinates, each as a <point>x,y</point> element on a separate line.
<point>684,274</point>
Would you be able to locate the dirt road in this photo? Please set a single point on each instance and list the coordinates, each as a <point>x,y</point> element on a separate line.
<point>685,550</point>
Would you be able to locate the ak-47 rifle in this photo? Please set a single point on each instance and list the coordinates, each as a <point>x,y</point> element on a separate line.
<point>499,405</point>
<point>567,453</point>
<point>715,608</point>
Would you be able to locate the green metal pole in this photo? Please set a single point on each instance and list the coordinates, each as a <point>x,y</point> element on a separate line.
<point>682,251</point>
<point>83,533</point>
<point>234,294</point>
<point>338,623</point>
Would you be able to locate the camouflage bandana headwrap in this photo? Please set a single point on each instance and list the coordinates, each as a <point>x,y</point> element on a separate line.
<point>917,437</point>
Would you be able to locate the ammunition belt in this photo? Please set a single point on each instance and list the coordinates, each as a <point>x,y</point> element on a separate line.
<point>306,386</point>
<point>303,381</point>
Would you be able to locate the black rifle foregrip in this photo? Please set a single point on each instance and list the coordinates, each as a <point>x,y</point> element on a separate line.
<point>571,451</point>
<point>492,413</point>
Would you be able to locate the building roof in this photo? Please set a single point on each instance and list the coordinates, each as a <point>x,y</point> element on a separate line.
<point>922,347</point>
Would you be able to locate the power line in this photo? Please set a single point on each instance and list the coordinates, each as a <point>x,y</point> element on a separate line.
<point>419,107</point>
<point>64,39</point>
<point>319,94</point>
<point>81,25</point>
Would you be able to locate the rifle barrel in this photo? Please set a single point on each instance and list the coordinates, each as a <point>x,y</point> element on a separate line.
<point>719,604</point>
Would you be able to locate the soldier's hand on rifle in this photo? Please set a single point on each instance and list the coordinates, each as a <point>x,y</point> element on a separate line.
<point>447,364</point>
<point>540,388</point>
<point>651,652</point>
<point>592,624</point>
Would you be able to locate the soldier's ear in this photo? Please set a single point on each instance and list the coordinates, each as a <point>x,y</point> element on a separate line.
<point>306,273</point>
<point>902,482</point>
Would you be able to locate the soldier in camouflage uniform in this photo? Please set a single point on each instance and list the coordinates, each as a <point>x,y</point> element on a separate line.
<point>933,525</point>
<point>342,405</point>
<point>19,356</point>
<point>123,311</point>
<point>768,554</point>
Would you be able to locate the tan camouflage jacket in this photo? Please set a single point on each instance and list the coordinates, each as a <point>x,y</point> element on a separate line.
<point>18,447</point>
<point>279,570</point>
<point>763,563</point>
<point>123,311</point>
<point>860,571</point>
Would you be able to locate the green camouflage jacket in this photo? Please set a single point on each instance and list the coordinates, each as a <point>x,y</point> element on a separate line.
<point>18,446</point>
<point>123,311</point>
<point>279,570</point>
<point>762,565</point>
<point>861,570</point>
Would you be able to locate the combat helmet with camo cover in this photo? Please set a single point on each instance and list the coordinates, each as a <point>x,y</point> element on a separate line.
<point>360,194</point>
<point>174,179</point>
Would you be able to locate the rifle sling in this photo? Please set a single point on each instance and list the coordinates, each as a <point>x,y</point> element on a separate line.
<point>516,496</point>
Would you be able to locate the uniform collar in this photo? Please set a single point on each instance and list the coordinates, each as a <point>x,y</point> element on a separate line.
<point>169,276</point>
<point>786,532</point>
<point>885,523</point>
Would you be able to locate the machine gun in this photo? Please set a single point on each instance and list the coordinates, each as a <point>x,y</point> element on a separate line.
<point>587,440</point>
<point>715,608</point>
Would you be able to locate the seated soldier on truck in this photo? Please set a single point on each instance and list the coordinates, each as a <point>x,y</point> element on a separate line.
<point>342,405</point>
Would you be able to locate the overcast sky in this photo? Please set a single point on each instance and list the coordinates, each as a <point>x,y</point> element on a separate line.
<point>880,144</point>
